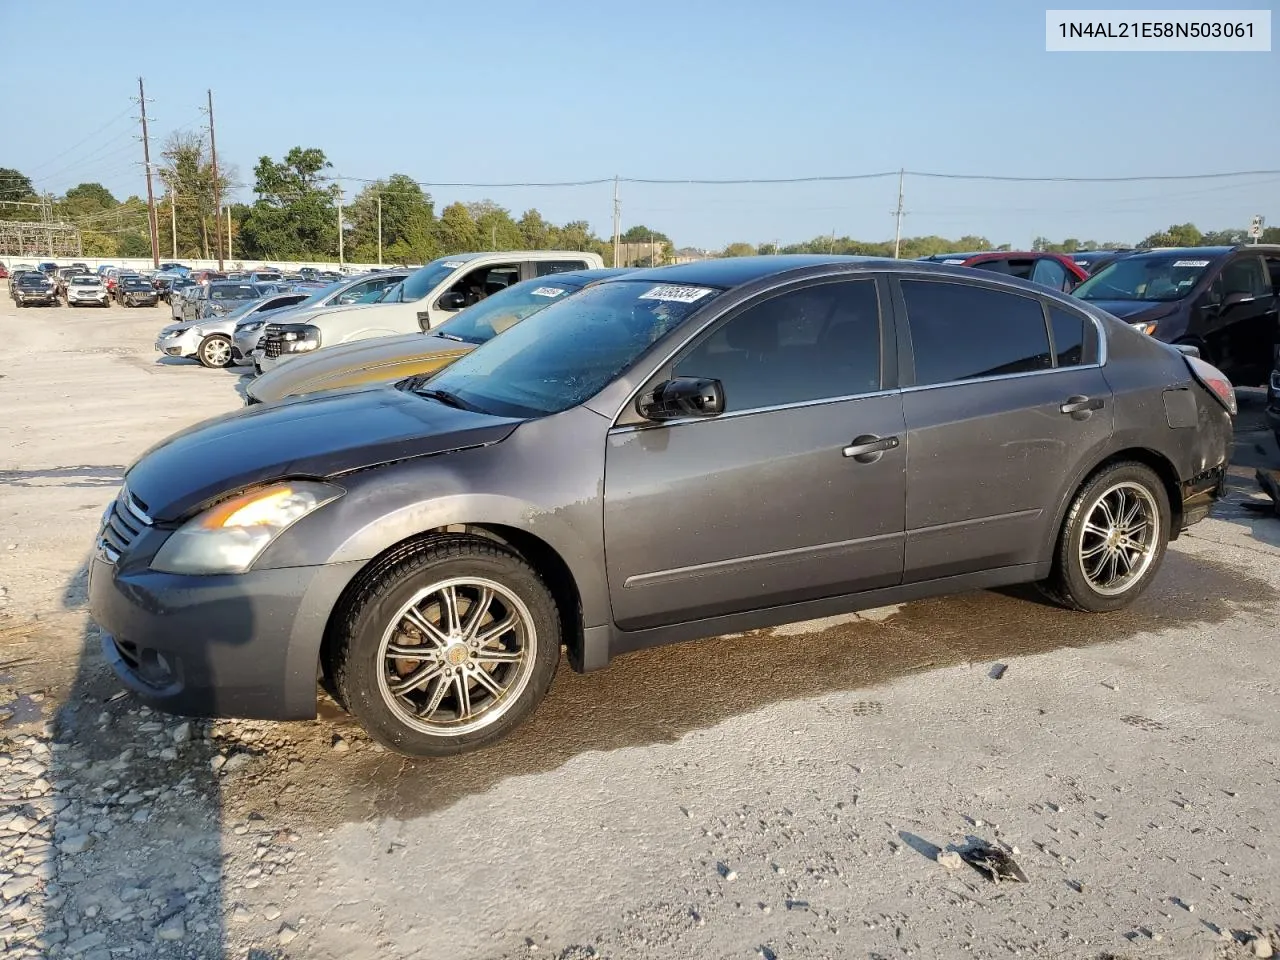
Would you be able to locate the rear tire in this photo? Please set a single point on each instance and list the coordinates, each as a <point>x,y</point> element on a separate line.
<point>484,670</point>
<point>1112,541</point>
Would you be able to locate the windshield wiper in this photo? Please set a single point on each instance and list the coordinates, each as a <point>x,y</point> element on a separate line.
<point>445,397</point>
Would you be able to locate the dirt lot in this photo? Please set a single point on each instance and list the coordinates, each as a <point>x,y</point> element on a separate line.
<point>778,794</point>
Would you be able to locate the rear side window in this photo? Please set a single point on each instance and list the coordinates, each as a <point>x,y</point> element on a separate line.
<point>1051,273</point>
<point>1068,337</point>
<point>546,267</point>
<point>959,332</point>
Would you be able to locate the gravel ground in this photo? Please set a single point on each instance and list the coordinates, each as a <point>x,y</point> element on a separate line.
<point>789,793</point>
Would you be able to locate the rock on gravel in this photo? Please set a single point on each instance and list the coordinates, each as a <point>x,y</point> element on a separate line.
<point>949,859</point>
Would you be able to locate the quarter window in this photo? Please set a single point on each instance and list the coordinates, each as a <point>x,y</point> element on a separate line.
<point>816,343</point>
<point>1051,273</point>
<point>959,332</point>
<point>1068,337</point>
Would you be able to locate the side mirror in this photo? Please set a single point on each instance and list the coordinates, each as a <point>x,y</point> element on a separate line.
<point>682,397</point>
<point>452,301</point>
<point>1234,297</point>
<point>1187,349</point>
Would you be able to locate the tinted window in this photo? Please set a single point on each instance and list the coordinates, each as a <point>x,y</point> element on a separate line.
<point>1246,276</point>
<point>995,266</point>
<point>545,267</point>
<point>1051,273</point>
<point>815,343</point>
<point>959,332</point>
<point>1068,336</point>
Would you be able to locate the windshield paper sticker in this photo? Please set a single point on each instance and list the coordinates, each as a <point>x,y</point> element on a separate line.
<point>677,292</point>
<point>953,261</point>
<point>1191,263</point>
<point>548,292</point>
<point>454,264</point>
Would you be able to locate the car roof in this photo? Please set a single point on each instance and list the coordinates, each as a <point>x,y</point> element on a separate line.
<point>727,272</point>
<point>584,276</point>
<point>1200,252</point>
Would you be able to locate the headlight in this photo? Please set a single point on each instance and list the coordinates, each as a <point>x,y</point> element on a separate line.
<point>300,341</point>
<point>1146,326</point>
<point>253,327</point>
<point>229,537</point>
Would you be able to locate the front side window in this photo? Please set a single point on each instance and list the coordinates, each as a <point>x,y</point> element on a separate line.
<point>1247,276</point>
<point>504,309</point>
<point>816,343</point>
<point>959,332</point>
<point>571,350</point>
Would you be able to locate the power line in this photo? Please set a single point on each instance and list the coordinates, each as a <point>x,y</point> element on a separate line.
<point>123,113</point>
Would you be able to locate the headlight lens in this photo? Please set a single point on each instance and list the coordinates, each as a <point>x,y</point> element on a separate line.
<point>229,537</point>
<point>300,341</point>
<point>253,327</point>
<point>1146,326</point>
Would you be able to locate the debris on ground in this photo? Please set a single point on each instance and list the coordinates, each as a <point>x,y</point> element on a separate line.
<point>997,671</point>
<point>949,859</point>
<point>992,861</point>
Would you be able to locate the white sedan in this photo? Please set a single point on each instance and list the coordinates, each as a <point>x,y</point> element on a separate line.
<point>209,340</point>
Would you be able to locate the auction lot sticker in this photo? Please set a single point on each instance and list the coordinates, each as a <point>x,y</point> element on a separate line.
<point>675,292</point>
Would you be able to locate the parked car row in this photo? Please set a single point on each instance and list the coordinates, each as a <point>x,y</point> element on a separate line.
<point>649,456</point>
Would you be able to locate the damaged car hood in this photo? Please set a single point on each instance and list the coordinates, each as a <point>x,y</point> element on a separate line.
<point>322,435</point>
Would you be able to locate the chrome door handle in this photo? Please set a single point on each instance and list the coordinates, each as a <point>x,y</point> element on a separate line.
<point>1081,407</point>
<point>869,448</point>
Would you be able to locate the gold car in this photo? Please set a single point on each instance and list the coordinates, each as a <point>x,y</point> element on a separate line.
<point>388,359</point>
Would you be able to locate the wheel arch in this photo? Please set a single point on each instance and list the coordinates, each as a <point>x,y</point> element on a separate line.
<point>535,551</point>
<point>1161,465</point>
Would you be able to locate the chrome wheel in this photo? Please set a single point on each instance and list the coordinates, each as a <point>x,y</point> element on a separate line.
<point>1120,537</point>
<point>457,656</point>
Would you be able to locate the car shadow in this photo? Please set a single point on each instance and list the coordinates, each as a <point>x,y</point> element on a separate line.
<point>660,695</point>
<point>136,832</point>
<point>82,476</point>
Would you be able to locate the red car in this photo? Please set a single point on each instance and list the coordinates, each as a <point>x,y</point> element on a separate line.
<point>4,272</point>
<point>1052,269</point>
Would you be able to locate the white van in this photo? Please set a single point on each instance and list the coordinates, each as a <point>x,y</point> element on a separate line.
<point>424,299</point>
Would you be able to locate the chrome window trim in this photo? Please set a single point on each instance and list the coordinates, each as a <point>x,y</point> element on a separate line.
<point>799,404</point>
<point>1000,376</point>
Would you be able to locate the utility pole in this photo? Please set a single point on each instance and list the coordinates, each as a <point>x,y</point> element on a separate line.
<point>493,236</point>
<point>46,214</point>
<point>897,232</point>
<point>173,219</point>
<point>152,224</point>
<point>229,231</point>
<point>617,220</point>
<point>338,197</point>
<point>217,186</point>
<point>379,199</point>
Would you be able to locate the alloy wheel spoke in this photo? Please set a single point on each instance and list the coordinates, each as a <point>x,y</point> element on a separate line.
<point>1131,514</point>
<point>433,704</point>
<point>416,680</point>
<point>1107,512</point>
<point>449,611</point>
<point>1113,564</point>
<point>462,694</point>
<point>486,680</point>
<point>1094,551</point>
<point>1096,530</point>
<point>496,630</point>
<point>490,655</point>
<point>424,626</point>
<point>400,651</point>
<point>476,614</point>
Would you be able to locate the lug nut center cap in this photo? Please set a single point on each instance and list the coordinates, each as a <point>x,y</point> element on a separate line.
<point>457,654</point>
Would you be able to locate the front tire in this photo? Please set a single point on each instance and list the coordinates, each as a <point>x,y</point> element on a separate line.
<point>445,648</point>
<point>214,351</point>
<point>1112,541</point>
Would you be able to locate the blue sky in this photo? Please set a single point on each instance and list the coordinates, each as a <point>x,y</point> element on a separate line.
<point>513,91</point>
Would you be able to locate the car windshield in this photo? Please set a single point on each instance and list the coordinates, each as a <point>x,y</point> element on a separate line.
<point>570,351</point>
<point>506,308</point>
<point>418,284</point>
<point>233,293</point>
<point>84,282</point>
<point>245,307</point>
<point>32,279</point>
<point>137,282</point>
<point>1159,279</point>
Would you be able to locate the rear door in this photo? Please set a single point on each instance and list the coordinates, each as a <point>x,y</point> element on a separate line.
<point>1003,400</point>
<point>1246,333</point>
<point>773,501</point>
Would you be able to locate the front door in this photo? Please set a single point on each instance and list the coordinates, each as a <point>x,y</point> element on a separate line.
<point>770,502</point>
<point>999,420</point>
<point>1242,343</point>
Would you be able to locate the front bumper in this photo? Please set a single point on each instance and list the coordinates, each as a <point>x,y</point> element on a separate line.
<point>45,298</point>
<point>246,343</point>
<point>263,363</point>
<point>243,645</point>
<point>181,346</point>
<point>101,299</point>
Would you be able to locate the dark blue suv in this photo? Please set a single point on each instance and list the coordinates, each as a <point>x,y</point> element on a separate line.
<point>1222,300</point>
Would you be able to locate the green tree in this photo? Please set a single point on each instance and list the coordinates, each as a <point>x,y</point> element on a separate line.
<point>1178,235</point>
<point>408,222</point>
<point>495,227</point>
<point>294,216</point>
<point>738,250</point>
<point>85,200</point>
<point>16,187</point>
<point>642,234</point>
<point>457,232</point>
<point>187,177</point>
<point>96,244</point>
<point>534,231</point>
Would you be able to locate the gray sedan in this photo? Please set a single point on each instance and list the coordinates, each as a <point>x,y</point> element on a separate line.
<point>699,449</point>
